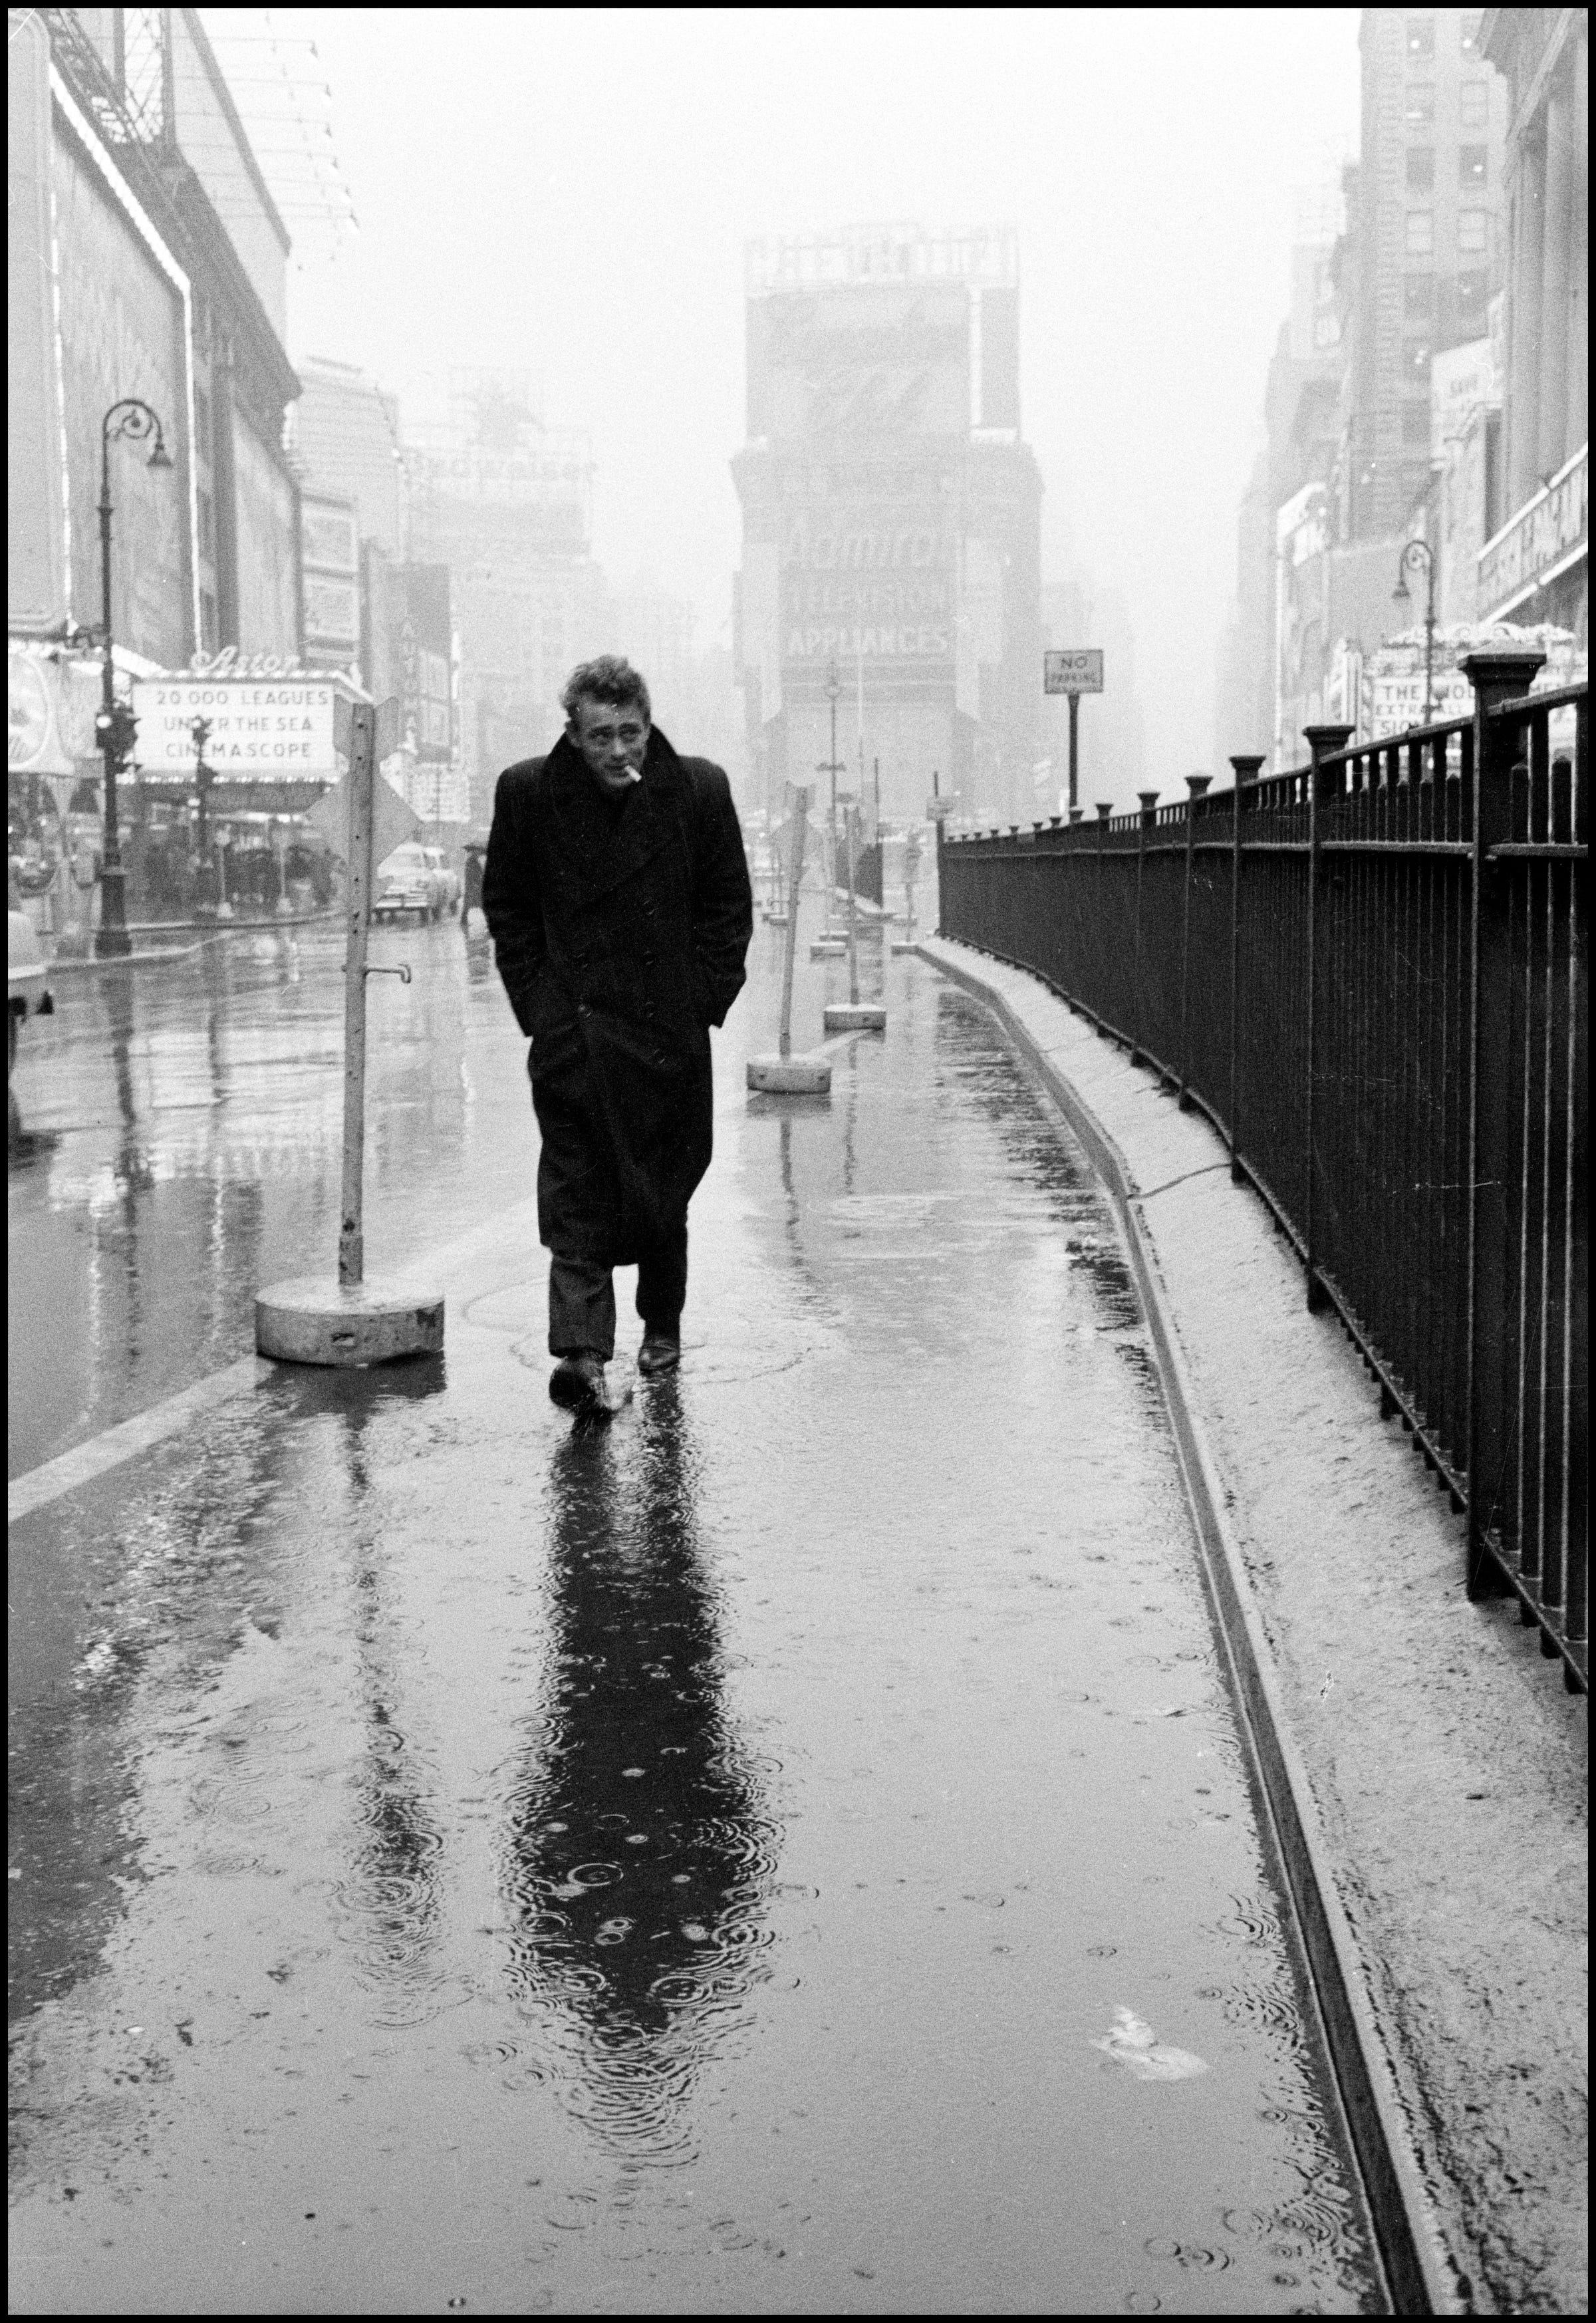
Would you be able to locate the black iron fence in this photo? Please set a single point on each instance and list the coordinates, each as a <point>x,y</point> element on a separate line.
<point>1371,974</point>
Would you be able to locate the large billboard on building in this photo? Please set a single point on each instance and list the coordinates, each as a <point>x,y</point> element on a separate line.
<point>889,511</point>
<point>35,531</point>
<point>864,360</point>
<point>330,551</point>
<point>122,332</point>
<point>868,578</point>
<point>425,692</point>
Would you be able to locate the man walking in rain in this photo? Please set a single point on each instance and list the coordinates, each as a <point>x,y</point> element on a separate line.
<point>618,897</point>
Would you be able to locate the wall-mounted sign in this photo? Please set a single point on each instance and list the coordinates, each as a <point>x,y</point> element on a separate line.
<point>331,610</point>
<point>231,663</point>
<point>52,705</point>
<point>1463,380</point>
<point>1073,669</point>
<point>1549,532</point>
<point>328,534</point>
<point>260,729</point>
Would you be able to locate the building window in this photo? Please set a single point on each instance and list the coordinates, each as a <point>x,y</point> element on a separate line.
<point>207,621</point>
<point>1421,39</point>
<point>1421,168</point>
<point>1471,165</point>
<point>1469,31</point>
<point>1416,362</point>
<point>1421,234</point>
<point>1470,229</point>
<point>1419,296</point>
<point>1474,105</point>
<point>1418,109</point>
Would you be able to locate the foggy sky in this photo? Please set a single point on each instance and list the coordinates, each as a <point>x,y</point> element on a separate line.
<point>569,191</point>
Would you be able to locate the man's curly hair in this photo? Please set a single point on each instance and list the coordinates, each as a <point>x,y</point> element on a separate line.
<point>610,679</point>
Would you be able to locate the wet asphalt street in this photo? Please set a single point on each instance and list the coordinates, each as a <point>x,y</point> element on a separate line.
<point>788,1851</point>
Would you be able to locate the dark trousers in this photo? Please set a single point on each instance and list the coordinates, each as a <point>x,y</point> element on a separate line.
<point>582,1298</point>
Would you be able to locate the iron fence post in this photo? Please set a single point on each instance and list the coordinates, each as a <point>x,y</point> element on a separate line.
<point>1105,809</point>
<point>1144,826</point>
<point>1196,784</point>
<point>1246,770</point>
<point>1496,677</point>
<point>1322,741</point>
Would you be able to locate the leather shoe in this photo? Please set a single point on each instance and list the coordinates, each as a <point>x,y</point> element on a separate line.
<point>661,1351</point>
<point>576,1384</point>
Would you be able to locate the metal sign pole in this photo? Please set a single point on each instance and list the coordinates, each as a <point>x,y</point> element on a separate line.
<point>786,1075</point>
<point>853,1016</point>
<point>352,1323</point>
<point>362,759</point>
<point>1074,761</point>
<point>849,812</point>
<point>789,940</point>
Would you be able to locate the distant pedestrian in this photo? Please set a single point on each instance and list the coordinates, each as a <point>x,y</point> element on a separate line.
<point>618,897</point>
<point>472,900</point>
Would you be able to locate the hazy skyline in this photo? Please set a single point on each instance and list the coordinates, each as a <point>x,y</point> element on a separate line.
<point>570,193</point>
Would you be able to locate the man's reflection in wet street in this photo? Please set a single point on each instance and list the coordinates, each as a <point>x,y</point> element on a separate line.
<point>637,1852</point>
<point>391,1887</point>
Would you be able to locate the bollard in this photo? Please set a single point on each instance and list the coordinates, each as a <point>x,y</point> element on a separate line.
<point>786,1075</point>
<point>352,1322</point>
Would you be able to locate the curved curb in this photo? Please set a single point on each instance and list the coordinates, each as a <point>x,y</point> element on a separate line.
<point>1417,2269</point>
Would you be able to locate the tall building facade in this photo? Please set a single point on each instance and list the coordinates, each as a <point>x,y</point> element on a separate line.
<point>506,503</point>
<point>1428,234</point>
<point>344,434</point>
<point>1537,563</point>
<point>891,521</point>
<point>1383,423</point>
<point>146,258</point>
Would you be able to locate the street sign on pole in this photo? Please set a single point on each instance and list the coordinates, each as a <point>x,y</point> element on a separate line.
<point>786,1075</point>
<point>1072,669</point>
<point>353,1322</point>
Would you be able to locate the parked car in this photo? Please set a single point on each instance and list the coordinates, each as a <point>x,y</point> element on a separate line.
<point>446,874</point>
<point>27,991</point>
<point>409,886</point>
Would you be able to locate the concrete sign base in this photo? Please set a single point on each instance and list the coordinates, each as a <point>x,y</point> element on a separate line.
<point>310,1320</point>
<point>790,1076</point>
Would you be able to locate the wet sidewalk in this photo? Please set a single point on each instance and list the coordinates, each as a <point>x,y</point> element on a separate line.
<point>788,1851</point>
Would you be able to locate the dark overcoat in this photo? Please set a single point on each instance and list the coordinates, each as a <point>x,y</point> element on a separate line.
<point>621,939</point>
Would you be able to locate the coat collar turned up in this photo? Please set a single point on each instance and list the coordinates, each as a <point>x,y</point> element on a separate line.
<point>600,849</point>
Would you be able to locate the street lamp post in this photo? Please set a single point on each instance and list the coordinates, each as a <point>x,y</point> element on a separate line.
<point>1419,553</point>
<point>116,725</point>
